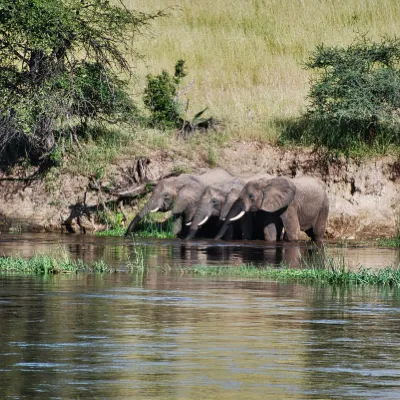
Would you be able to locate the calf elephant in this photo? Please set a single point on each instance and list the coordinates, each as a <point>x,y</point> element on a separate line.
<point>295,204</point>
<point>179,194</point>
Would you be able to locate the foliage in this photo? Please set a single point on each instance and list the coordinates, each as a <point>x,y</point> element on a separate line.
<point>60,66</point>
<point>355,97</point>
<point>161,97</point>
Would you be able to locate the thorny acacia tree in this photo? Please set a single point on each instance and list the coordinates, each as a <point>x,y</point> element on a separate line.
<point>60,65</point>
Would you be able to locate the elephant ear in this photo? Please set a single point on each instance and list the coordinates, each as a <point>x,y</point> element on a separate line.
<point>278,193</point>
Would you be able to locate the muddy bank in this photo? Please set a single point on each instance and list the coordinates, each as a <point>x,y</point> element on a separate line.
<point>364,195</point>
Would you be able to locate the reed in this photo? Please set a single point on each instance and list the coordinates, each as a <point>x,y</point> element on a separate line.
<point>245,57</point>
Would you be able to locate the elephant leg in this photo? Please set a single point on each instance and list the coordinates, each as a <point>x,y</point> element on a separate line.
<point>177,226</point>
<point>320,224</point>
<point>270,233</point>
<point>291,223</point>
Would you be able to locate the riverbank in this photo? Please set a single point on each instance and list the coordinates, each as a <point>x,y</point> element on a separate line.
<point>364,194</point>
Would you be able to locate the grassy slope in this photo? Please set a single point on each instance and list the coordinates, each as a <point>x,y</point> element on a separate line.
<point>245,56</point>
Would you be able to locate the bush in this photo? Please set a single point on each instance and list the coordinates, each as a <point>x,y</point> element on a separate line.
<point>354,98</point>
<point>161,98</point>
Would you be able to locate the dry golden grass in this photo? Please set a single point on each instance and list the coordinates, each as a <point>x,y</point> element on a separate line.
<point>245,56</point>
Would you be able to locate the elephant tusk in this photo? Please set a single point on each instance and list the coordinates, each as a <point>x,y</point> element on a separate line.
<point>188,223</point>
<point>156,209</point>
<point>203,221</point>
<point>240,215</point>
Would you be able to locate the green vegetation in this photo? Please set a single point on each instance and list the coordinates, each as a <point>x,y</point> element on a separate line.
<point>149,227</point>
<point>62,67</point>
<point>388,276</point>
<point>355,98</point>
<point>161,98</point>
<point>246,58</point>
<point>391,242</point>
<point>47,264</point>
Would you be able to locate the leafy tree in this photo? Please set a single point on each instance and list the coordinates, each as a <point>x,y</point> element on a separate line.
<point>355,95</point>
<point>61,63</point>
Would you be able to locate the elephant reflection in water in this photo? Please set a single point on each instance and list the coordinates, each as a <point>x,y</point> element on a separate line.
<point>290,255</point>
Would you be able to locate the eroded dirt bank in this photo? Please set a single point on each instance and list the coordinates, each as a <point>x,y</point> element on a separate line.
<point>364,195</point>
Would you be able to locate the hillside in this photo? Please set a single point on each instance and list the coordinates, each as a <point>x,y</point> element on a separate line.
<point>245,58</point>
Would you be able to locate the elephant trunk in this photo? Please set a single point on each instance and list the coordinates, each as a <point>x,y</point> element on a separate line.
<point>237,209</point>
<point>149,207</point>
<point>201,216</point>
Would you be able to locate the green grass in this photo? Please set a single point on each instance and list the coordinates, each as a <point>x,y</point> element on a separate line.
<point>245,57</point>
<point>45,264</point>
<point>389,242</point>
<point>388,276</point>
<point>119,231</point>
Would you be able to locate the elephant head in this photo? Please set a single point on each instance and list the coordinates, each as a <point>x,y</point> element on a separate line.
<point>235,191</point>
<point>179,194</point>
<point>269,195</point>
<point>211,203</point>
<point>176,194</point>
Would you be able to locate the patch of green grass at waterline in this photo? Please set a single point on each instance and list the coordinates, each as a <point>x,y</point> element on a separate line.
<point>148,228</point>
<point>44,264</point>
<point>391,242</point>
<point>389,276</point>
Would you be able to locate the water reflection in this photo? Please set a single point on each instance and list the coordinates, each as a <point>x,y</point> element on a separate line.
<point>118,251</point>
<point>171,336</point>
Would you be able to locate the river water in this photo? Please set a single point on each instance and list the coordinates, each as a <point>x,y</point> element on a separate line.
<point>161,334</point>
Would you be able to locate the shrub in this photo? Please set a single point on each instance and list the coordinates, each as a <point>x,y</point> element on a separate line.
<point>161,98</point>
<point>354,96</point>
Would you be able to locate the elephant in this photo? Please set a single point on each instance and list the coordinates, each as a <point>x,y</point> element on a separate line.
<point>221,196</point>
<point>293,204</point>
<point>211,203</point>
<point>179,194</point>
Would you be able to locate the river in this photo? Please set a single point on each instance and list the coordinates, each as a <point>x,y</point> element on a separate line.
<point>161,334</point>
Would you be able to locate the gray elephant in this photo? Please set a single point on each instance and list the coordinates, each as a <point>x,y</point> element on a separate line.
<point>219,197</point>
<point>210,204</point>
<point>179,194</point>
<point>295,204</point>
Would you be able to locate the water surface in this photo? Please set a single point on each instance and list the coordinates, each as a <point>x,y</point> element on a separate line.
<point>161,334</point>
<point>117,251</point>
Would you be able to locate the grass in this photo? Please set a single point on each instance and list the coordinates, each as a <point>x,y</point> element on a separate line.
<point>388,276</point>
<point>45,264</point>
<point>150,227</point>
<point>327,270</point>
<point>389,242</point>
<point>245,57</point>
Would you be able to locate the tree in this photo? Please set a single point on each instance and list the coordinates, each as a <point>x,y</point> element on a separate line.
<point>61,64</point>
<point>355,97</point>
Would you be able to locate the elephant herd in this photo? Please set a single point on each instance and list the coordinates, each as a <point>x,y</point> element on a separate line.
<point>220,205</point>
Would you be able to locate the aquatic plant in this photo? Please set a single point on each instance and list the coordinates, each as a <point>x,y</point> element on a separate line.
<point>45,264</point>
<point>389,276</point>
